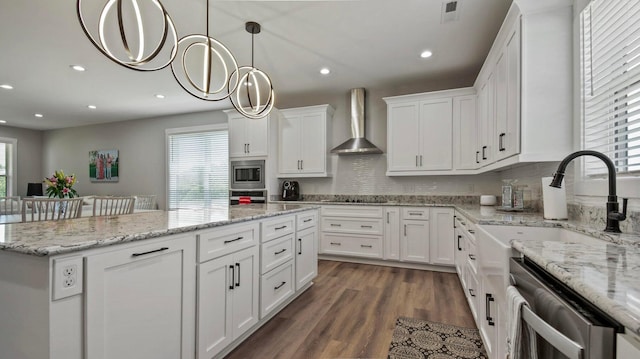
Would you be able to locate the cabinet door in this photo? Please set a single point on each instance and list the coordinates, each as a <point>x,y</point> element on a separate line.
<point>392,233</point>
<point>313,144</point>
<point>442,246</point>
<point>436,135</point>
<point>238,136</point>
<point>403,129</point>
<point>245,290</point>
<point>415,241</point>
<point>258,136</point>
<point>289,144</point>
<point>215,298</point>
<point>306,256</point>
<point>511,140</point>
<point>486,122</point>
<point>140,301</point>
<point>465,134</point>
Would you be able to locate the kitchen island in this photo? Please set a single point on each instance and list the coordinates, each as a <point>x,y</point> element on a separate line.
<point>161,284</point>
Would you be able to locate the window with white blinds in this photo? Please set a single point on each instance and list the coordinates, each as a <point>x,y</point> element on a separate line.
<point>198,165</point>
<point>610,74</point>
<point>8,147</point>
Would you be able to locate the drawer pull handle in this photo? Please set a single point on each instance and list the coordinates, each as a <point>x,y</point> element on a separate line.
<point>238,281</point>
<point>279,228</point>
<point>300,240</point>
<point>279,286</point>
<point>472,231</point>
<point>149,252</point>
<point>415,213</point>
<point>308,220</point>
<point>233,240</point>
<point>472,292</point>
<point>336,225</point>
<point>488,300</point>
<point>363,226</point>
<point>366,246</point>
<point>233,277</point>
<point>280,251</point>
<point>472,257</point>
<point>336,244</point>
<point>459,237</point>
<point>463,223</point>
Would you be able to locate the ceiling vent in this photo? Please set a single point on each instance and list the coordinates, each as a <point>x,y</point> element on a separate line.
<point>450,11</point>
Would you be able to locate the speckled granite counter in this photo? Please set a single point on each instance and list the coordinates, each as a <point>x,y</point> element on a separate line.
<point>55,237</point>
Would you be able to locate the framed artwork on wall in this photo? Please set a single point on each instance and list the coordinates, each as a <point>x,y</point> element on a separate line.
<point>104,166</point>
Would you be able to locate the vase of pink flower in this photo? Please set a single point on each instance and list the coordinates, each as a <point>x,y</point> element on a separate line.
<point>60,185</point>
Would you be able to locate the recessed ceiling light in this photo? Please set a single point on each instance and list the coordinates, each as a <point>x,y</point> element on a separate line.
<point>38,115</point>
<point>426,54</point>
<point>159,96</point>
<point>92,107</point>
<point>3,121</point>
<point>325,71</point>
<point>6,86</point>
<point>77,68</point>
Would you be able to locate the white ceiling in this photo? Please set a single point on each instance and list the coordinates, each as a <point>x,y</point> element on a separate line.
<point>366,43</point>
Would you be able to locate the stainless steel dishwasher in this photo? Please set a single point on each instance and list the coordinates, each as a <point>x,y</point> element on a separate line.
<point>567,325</point>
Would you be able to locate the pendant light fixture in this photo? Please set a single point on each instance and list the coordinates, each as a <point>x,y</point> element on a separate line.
<point>123,32</point>
<point>254,96</point>
<point>206,66</point>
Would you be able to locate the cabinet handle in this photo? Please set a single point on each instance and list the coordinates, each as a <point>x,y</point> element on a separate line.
<point>279,286</point>
<point>366,246</point>
<point>405,230</point>
<point>420,160</point>
<point>454,222</point>
<point>501,142</point>
<point>300,241</point>
<point>363,226</point>
<point>233,276</point>
<point>487,302</point>
<point>149,252</point>
<point>477,154</point>
<point>336,225</point>
<point>308,220</point>
<point>463,223</point>
<point>238,282</point>
<point>301,164</point>
<point>416,160</point>
<point>298,164</point>
<point>233,240</point>
<point>472,257</point>
<point>415,213</point>
<point>459,237</point>
<point>336,244</point>
<point>279,228</point>
<point>472,292</point>
<point>484,155</point>
<point>387,217</point>
<point>280,251</point>
<point>472,231</point>
<point>248,148</point>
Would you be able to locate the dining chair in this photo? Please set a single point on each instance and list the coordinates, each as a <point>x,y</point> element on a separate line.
<point>113,206</point>
<point>10,205</point>
<point>145,202</point>
<point>50,209</point>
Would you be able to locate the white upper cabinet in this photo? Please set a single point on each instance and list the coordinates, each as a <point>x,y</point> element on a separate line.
<point>420,133</point>
<point>248,137</point>
<point>464,132</point>
<point>303,147</point>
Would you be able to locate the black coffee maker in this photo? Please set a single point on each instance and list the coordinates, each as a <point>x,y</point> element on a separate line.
<point>290,191</point>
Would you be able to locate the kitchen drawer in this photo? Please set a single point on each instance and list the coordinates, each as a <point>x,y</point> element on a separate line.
<point>354,226</point>
<point>415,213</point>
<point>306,220</point>
<point>472,292</point>
<point>277,227</point>
<point>351,245</point>
<point>219,241</point>
<point>352,211</point>
<point>276,287</point>
<point>276,252</point>
<point>472,256</point>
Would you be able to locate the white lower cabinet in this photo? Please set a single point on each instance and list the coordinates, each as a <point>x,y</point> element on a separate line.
<point>414,245</point>
<point>276,287</point>
<point>392,233</point>
<point>441,244</point>
<point>306,256</point>
<point>354,231</point>
<point>118,323</point>
<point>227,300</point>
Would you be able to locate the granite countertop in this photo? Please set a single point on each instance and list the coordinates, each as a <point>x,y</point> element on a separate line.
<point>54,237</point>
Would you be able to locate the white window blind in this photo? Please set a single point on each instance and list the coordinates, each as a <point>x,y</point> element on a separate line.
<point>198,169</point>
<point>610,58</point>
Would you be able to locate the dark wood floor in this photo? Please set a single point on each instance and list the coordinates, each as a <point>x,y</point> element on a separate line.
<point>350,312</point>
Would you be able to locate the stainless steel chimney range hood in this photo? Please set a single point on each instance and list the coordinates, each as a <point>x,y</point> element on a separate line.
<point>357,144</point>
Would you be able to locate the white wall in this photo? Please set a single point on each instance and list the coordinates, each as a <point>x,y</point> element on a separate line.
<point>142,152</point>
<point>29,156</point>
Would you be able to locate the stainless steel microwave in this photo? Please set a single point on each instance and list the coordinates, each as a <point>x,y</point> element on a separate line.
<point>247,174</point>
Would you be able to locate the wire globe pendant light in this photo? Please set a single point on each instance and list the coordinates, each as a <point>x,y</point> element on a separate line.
<point>122,33</point>
<point>254,96</point>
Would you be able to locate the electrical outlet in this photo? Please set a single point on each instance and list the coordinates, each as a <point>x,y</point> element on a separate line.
<point>67,277</point>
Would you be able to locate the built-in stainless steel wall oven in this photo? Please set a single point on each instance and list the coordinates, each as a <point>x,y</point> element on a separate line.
<point>566,325</point>
<point>246,175</point>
